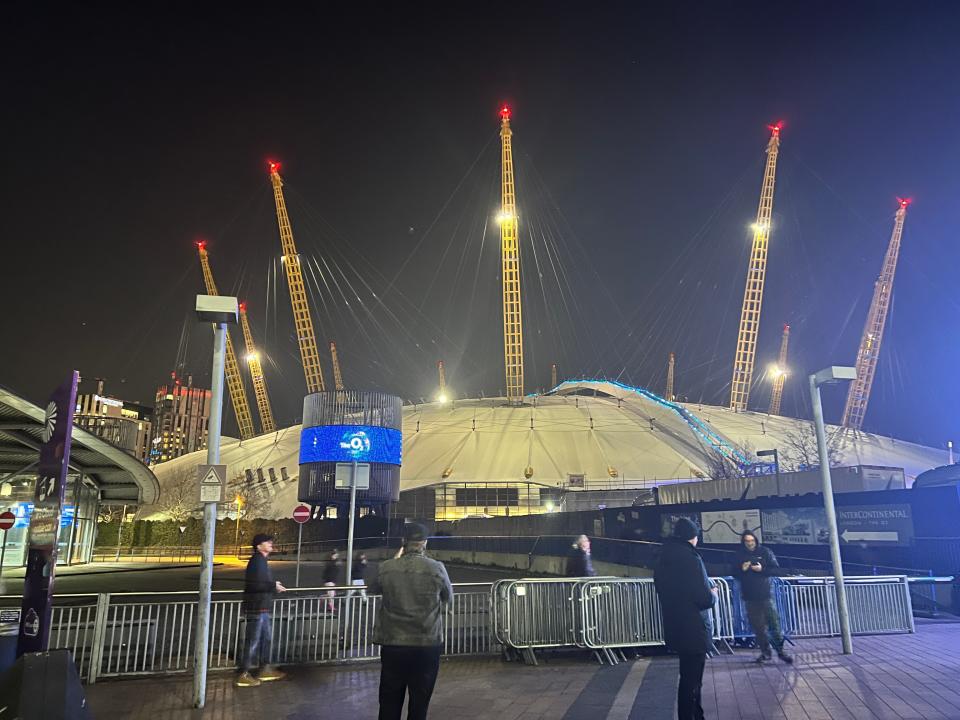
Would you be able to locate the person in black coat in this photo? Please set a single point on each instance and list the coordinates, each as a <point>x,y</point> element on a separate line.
<point>686,598</point>
<point>259,588</point>
<point>754,565</point>
<point>579,563</point>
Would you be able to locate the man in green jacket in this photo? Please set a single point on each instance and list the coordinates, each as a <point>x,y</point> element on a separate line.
<point>415,590</point>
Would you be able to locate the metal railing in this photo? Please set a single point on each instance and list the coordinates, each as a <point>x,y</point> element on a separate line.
<point>135,634</point>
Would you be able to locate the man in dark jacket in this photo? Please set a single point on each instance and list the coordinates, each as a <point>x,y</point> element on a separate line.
<point>415,589</point>
<point>579,563</point>
<point>686,597</point>
<point>753,566</point>
<point>258,590</point>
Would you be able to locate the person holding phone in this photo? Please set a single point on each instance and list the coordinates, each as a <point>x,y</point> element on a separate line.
<point>753,566</point>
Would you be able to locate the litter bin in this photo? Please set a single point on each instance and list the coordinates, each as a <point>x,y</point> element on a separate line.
<point>8,644</point>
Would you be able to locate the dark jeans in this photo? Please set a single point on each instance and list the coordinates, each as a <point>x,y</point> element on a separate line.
<point>403,669</point>
<point>688,691</point>
<point>256,652</point>
<point>763,616</point>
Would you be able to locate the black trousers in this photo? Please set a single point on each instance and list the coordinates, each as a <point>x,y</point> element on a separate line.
<point>688,690</point>
<point>404,669</point>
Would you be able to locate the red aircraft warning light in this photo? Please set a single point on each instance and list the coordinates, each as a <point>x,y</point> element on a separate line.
<point>505,112</point>
<point>776,128</point>
<point>904,201</point>
<point>274,166</point>
<point>243,306</point>
<point>201,244</point>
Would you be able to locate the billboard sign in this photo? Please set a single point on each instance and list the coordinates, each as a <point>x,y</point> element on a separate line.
<point>795,526</point>
<point>725,527</point>
<point>884,524</point>
<point>351,443</point>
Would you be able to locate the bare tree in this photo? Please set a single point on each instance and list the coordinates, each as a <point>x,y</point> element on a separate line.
<point>253,496</point>
<point>722,467</point>
<point>799,449</point>
<point>179,496</point>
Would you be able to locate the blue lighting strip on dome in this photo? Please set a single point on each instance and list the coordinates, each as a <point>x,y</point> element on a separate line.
<point>697,425</point>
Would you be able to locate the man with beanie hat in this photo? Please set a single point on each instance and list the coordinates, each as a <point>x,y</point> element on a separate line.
<point>415,589</point>
<point>686,597</point>
<point>258,590</point>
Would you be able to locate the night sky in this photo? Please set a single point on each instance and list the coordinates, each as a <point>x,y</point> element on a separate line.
<point>639,139</point>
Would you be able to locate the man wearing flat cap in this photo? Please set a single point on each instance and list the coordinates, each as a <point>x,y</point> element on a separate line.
<point>686,597</point>
<point>259,588</point>
<point>415,590</point>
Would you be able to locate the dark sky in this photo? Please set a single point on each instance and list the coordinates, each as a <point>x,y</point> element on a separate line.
<point>639,137</point>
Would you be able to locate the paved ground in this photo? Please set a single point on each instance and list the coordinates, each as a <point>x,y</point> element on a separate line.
<point>888,678</point>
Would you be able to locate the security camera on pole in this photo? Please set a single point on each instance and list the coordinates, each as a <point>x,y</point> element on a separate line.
<point>219,310</point>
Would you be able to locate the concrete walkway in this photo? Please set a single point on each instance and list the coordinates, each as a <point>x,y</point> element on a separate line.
<point>888,678</point>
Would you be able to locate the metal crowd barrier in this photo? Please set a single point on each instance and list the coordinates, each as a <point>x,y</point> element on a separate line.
<point>601,614</point>
<point>877,604</point>
<point>124,634</point>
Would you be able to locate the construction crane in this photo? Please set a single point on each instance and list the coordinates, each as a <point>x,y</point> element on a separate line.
<point>510,260</point>
<point>238,393</point>
<point>337,375</point>
<point>778,373</point>
<point>256,374</point>
<point>756,273</point>
<point>553,375</point>
<point>670,366</point>
<point>306,338</point>
<point>442,396</point>
<point>859,394</point>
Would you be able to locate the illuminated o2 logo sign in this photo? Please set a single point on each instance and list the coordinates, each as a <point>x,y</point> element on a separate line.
<point>356,444</point>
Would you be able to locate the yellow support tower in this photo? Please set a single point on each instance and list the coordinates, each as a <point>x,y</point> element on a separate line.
<point>779,374</point>
<point>510,259</point>
<point>298,293</point>
<point>756,273</point>
<point>238,394</point>
<point>337,375</point>
<point>442,396</point>
<point>256,374</point>
<point>553,375</point>
<point>670,367</point>
<point>859,393</point>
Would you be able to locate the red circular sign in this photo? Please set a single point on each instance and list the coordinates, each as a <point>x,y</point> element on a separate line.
<point>301,513</point>
<point>7,520</point>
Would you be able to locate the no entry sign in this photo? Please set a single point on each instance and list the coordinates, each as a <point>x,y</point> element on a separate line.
<point>7,520</point>
<point>301,513</point>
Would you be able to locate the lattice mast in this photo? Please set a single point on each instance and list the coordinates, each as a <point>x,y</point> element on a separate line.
<point>306,338</point>
<point>553,375</point>
<point>238,393</point>
<point>256,374</point>
<point>510,272</point>
<point>756,273</point>
<point>671,362</point>
<point>337,375</point>
<point>779,373</point>
<point>858,396</point>
<point>442,394</point>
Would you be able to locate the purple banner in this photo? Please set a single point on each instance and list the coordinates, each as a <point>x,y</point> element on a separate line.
<point>44,530</point>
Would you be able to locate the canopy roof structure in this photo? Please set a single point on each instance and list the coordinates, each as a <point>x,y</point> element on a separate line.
<point>610,433</point>
<point>120,477</point>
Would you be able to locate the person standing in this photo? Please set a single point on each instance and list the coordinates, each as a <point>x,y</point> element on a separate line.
<point>408,629</point>
<point>753,566</point>
<point>258,591</point>
<point>686,598</point>
<point>580,564</point>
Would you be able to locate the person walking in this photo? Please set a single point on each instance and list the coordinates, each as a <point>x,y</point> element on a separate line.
<point>580,564</point>
<point>415,590</point>
<point>686,598</point>
<point>258,591</point>
<point>753,566</point>
<point>331,576</point>
<point>358,573</point>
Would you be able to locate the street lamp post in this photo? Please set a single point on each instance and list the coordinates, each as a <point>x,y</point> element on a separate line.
<point>831,375</point>
<point>776,463</point>
<point>220,311</point>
